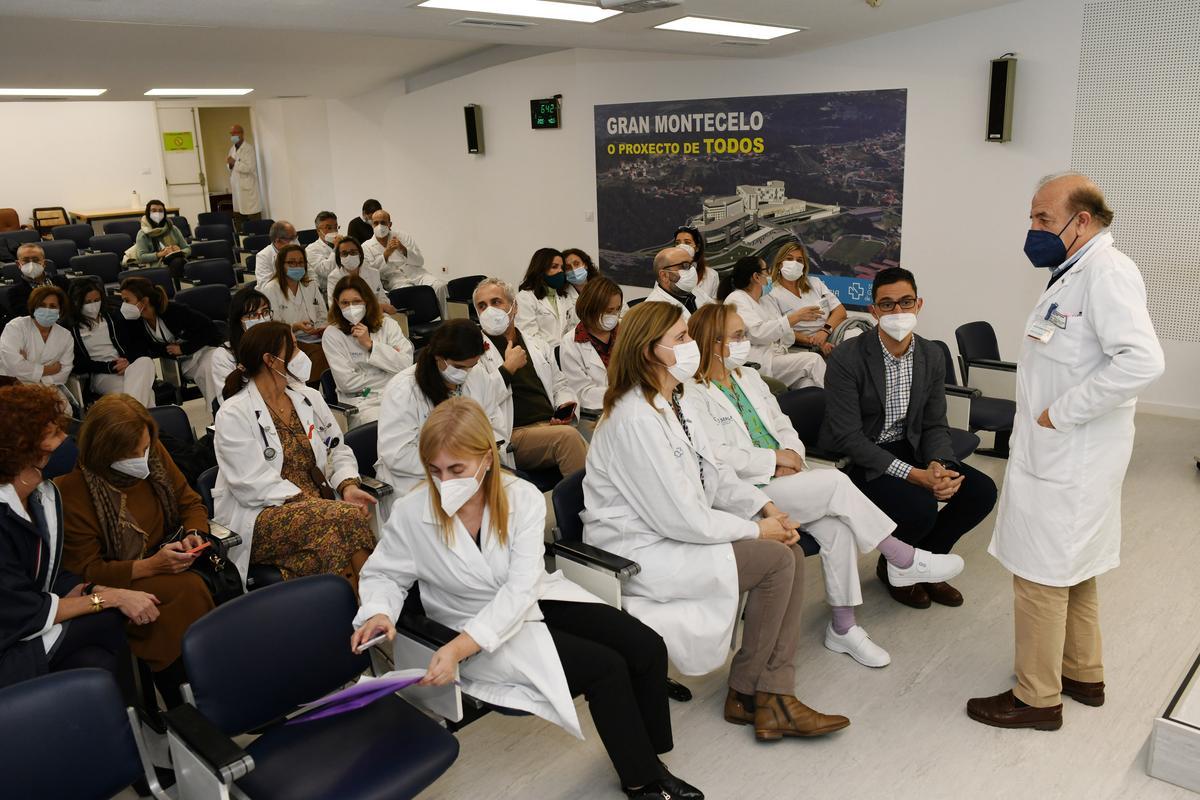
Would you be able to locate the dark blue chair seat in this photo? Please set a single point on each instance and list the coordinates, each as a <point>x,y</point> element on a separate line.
<point>544,479</point>
<point>992,414</point>
<point>212,248</point>
<point>963,443</point>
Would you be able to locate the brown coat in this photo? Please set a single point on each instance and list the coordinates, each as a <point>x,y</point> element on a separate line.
<point>183,598</point>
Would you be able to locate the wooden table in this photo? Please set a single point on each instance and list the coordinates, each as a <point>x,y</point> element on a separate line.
<point>98,218</point>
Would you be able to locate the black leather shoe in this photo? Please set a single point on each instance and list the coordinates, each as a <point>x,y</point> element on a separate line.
<point>677,787</point>
<point>677,691</point>
<point>913,596</point>
<point>651,791</point>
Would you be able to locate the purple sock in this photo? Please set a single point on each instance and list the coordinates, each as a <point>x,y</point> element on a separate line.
<point>897,553</point>
<point>843,619</point>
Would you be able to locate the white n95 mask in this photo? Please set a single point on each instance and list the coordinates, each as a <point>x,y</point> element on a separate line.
<point>738,353</point>
<point>899,325</point>
<point>299,368</point>
<point>130,312</point>
<point>351,263</point>
<point>354,313</point>
<point>134,467</point>
<point>688,279</point>
<point>791,270</point>
<point>454,493</point>
<point>32,270</point>
<point>382,231</point>
<point>609,321</point>
<point>687,360</point>
<point>455,375</point>
<point>494,321</point>
<point>691,251</point>
<point>92,310</point>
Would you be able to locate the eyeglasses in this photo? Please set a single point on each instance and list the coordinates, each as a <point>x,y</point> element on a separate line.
<point>905,303</point>
<point>680,266</point>
<point>740,337</point>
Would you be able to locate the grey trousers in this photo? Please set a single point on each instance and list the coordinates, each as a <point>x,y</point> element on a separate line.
<point>773,574</point>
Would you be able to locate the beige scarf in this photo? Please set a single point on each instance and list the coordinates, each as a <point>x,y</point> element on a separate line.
<point>122,538</point>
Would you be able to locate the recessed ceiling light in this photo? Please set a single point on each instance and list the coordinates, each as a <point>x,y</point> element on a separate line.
<point>724,27</point>
<point>545,9</point>
<point>52,92</point>
<point>195,92</point>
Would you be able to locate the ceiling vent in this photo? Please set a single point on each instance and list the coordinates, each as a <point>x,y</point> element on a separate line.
<point>732,43</point>
<point>494,24</point>
<point>638,6</point>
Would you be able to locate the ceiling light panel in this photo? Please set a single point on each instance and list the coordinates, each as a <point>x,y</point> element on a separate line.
<point>543,9</point>
<point>196,92</point>
<point>723,27</point>
<point>52,92</point>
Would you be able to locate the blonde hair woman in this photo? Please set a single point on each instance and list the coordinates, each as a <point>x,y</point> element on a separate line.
<point>472,535</point>
<point>793,289</point>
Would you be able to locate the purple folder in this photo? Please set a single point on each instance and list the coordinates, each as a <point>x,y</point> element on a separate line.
<point>361,694</point>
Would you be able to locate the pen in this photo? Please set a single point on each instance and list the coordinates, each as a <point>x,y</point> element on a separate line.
<point>1050,311</point>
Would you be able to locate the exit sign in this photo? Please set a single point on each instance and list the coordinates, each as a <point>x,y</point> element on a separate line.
<point>546,113</point>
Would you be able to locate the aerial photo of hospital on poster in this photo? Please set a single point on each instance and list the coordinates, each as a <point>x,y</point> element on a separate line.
<point>752,173</point>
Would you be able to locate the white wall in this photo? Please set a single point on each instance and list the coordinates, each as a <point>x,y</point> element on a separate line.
<point>85,156</point>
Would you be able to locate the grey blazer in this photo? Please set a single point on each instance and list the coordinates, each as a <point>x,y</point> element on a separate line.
<point>855,392</point>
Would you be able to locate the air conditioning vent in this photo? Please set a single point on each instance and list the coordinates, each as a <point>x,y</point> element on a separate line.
<point>494,24</point>
<point>732,43</point>
<point>638,6</point>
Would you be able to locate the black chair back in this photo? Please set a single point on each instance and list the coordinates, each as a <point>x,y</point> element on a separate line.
<point>214,218</point>
<point>129,227</point>
<point>210,270</point>
<point>328,387</point>
<point>420,302</point>
<point>204,487</point>
<point>567,499</point>
<point>19,237</point>
<point>251,636</point>
<point>105,266</point>
<point>306,236</point>
<point>252,244</point>
<point>256,227</point>
<point>212,248</point>
<point>60,252</point>
<point>218,231</point>
<point>183,225</point>
<point>977,340</point>
<point>951,375</point>
<point>461,289</point>
<point>173,421</point>
<point>115,243</point>
<point>364,441</point>
<point>211,300</point>
<point>806,409</point>
<point>67,734</point>
<point>159,276</point>
<point>635,301</point>
<point>62,460</point>
<point>80,233</point>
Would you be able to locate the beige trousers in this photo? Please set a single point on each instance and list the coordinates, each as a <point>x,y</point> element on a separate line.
<point>773,574</point>
<point>1057,634</point>
<point>545,445</point>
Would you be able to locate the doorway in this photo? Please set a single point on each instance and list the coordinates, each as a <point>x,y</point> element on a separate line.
<point>215,123</point>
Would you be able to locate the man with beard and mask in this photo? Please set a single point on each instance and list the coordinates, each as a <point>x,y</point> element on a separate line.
<point>676,281</point>
<point>886,411</point>
<point>1089,349</point>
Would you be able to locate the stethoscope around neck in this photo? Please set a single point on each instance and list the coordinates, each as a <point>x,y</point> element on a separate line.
<point>270,453</point>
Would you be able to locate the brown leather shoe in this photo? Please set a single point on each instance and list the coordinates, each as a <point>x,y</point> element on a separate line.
<point>943,594</point>
<point>779,715</point>
<point>913,596</point>
<point>1090,694</point>
<point>737,710</point>
<point>1002,711</point>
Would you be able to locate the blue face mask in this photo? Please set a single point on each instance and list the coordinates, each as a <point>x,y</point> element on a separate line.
<point>577,276</point>
<point>770,285</point>
<point>1045,250</point>
<point>45,316</point>
<point>556,281</point>
<point>296,273</point>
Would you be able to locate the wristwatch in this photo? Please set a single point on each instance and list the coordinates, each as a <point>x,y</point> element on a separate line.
<point>97,603</point>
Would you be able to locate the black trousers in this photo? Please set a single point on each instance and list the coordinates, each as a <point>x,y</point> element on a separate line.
<point>93,640</point>
<point>620,666</point>
<point>915,510</point>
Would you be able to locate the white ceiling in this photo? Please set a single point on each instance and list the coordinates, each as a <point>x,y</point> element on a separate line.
<point>343,48</point>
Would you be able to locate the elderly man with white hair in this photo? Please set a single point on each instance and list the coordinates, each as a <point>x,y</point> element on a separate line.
<point>540,403</point>
<point>676,281</point>
<point>1089,349</point>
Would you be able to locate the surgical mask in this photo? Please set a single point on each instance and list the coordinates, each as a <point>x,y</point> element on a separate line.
<point>688,279</point>
<point>494,321</point>
<point>299,368</point>
<point>157,217</point>
<point>354,313</point>
<point>455,375</point>
<point>295,273</point>
<point>691,251</point>
<point>738,353</point>
<point>350,262</point>
<point>577,275</point>
<point>687,360</point>
<point>791,270</point>
<point>235,139</point>
<point>455,492</point>
<point>331,236</point>
<point>382,231</point>
<point>556,281</point>
<point>46,316</point>
<point>134,467</point>
<point>92,310</point>
<point>899,325</point>
<point>609,321</point>
<point>1045,250</point>
<point>247,324</point>
<point>130,312</point>
<point>32,270</point>
<point>768,286</point>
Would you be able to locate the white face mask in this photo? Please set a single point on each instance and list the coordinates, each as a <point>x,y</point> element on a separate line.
<point>157,217</point>
<point>354,313</point>
<point>299,368</point>
<point>134,467</point>
<point>687,360</point>
<point>331,236</point>
<point>130,312</point>
<point>382,231</point>
<point>494,321</point>
<point>791,270</point>
<point>235,139</point>
<point>456,492</point>
<point>350,263</point>
<point>92,310</point>
<point>691,251</point>
<point>899,325</point>
<point>247,324</point>
<point>455,375</point>
<point>738,353</point>
<point>32,270</point>
<point>609,321</point>
<point>687,281</point>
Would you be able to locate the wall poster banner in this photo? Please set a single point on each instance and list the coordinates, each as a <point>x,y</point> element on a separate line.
<point>753,173</point>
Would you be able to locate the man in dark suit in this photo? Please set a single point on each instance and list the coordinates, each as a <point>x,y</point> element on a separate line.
<point>886,410</point>
<point>361,228</point>
<point>35,272</point>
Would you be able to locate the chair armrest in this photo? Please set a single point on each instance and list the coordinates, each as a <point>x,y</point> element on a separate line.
<point>344,408</point>
<point>375,488</point>
<point>227,537</point>
<point>962,391</point>
<point>590,414</point>
<point>990,363</point>
<point>422,629</point>
<point>214,749</point>
<point>840,462</point>
<point>594,557</point>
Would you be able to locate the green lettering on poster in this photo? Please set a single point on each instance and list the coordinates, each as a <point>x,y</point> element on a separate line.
<point>178,140</point>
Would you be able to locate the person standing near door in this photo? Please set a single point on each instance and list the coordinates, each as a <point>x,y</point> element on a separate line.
<point>243,178</point>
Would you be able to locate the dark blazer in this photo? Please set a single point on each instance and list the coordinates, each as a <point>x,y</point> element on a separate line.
<point>360,230</point>
<point>129,339</point>
<point>191,328</point>
<point>25,569</point>
<point>855,392</point>
<point>18,295</point>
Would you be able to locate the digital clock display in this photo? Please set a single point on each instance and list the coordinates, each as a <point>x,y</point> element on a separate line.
<point>545,113</point>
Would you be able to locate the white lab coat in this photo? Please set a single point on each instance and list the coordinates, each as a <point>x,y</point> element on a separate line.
<point>321,262</point>
<point>783,302</point>
<point>770,337</point>
<point>23,352</point>
<point>222,363</point>
<point>404,411</point>
<point>370,276</point>
<point>399,270</point>
<point>558,391</point>
<point>549,323</point>
<point>264,265</point>
<point>243,179</point>
<point>661,295</point>
<point>709,283</point>
<point>307,304</point>
<point>1059,521</point>
<point>645,501</point>
<point>584,371</point>
<point>247,481</point>
<point>488,591</point>
<point>361,376</point>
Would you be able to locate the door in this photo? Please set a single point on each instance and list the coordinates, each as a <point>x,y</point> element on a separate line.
<point>183,163</point>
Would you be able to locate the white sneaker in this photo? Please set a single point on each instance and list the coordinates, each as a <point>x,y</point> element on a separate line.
<point>926,568</point>
<point>858,645</point>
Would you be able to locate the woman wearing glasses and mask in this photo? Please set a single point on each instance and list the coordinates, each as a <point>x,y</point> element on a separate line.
<point>287,483</point>
<point>249,307</point>
<point>690,239</point>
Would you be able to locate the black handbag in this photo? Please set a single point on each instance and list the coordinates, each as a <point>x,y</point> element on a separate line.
<point>219,574</point>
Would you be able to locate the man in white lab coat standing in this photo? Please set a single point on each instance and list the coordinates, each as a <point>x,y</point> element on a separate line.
<point>243,178</point>
<point>1089,349</point>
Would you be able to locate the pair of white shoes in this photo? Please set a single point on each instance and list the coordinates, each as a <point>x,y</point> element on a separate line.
<point>926,568</point>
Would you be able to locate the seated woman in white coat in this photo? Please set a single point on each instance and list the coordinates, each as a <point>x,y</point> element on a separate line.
<point>364,348</point>
<point>750,433</point>
<point>471,535</point>
<point>286,482</point>
<point>36,349</point>
<point>297,300</point>
<point>585,351</point>
<point>770,333</point>
<point>110,352</point>
<point>247,308</point>
<point>348,260</point>
<point>545,300</point>
<point>655,493</point>
<point>794,290</point>
<point>446,368</point>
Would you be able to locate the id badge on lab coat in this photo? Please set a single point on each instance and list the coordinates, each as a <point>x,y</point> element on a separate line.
<point>1042,330</point>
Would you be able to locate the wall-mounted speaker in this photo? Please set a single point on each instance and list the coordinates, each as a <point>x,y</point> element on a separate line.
<point>1000,99</point>
<point>474,119</point>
